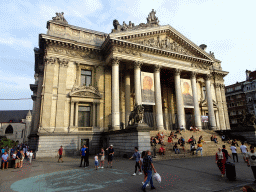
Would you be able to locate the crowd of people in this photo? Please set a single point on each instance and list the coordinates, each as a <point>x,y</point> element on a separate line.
<point>15,156</point>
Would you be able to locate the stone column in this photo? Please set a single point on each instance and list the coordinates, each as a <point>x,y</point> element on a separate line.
<point>158,97</point>
<point>196,104</point>
<point>225,108</point>
<point>71,124</point>
<point>166,107</point>
<point>76,117</point>
<point>93,115</point>
<point>115,95</point>
<point>179,99</point>
<point>127,97</point>
<point>209,101</point>
<point>222,124</point>
<point>137,82</point>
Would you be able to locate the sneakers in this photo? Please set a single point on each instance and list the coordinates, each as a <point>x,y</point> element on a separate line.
<point>134,174</point>
<point>102,167</point>
<point>146,185</point>
<point>153,187</point>
<point>140,173</point>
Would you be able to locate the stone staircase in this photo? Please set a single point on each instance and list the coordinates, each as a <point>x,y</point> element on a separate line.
<point>209,147</point>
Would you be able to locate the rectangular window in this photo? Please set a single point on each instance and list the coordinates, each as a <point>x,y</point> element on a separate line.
<point>86,78</point>
<point>238,96</point>
<point>84,116</point>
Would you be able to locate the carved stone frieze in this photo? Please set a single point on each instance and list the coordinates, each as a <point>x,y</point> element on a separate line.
<point>85,91</point>
<point>127,51</point>
<point>75,53</point>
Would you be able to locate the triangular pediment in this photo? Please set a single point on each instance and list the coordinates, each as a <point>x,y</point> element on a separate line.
<point>164,38</point>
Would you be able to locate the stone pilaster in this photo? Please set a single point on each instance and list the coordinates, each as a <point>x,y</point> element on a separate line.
<point>115,95</point>
<point>76,115</point>
<point>196,103</point>
<point>47,94</point>
<point>171,110</point>
<point>159,111</point>
<point>71,121</point>
<point>220,107</point>
<point>137,82</point>
<point>210,102</point>
<point>179,99</point>
<point>225,108</point>
<point>61,99</point>
<point>127,97</point>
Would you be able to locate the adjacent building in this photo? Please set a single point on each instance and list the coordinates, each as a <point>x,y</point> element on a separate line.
<point>15,125</point>
<point>88,82</point>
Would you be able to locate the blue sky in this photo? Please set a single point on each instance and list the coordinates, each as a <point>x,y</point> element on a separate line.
<point>225,26</point>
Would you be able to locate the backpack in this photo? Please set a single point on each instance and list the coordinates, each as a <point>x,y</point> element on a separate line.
<point>146,163</point>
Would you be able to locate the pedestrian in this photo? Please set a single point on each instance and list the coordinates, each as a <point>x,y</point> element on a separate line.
<point>136,155</point>
<point>247,188</point>
<point>199,148</point>
<point>244,150</point>
<point>234,152</point>
<point>141,167</point>
<point>148,166</point>
<point>87,156</point>
<point>82,153</point>
<point>4,161</point>
<point>226,152</point>
<point>60,152</point>
<point>22,158</point>
<point>251,161</point>
<point>111,152</point>
<point>31,155</point>
<point>220,161</point>
<point>96,161</point>
<point>18,157</point>
<point>27,155</point>
<point>102,159</point>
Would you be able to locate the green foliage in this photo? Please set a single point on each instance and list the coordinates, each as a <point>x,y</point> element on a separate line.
<point>4,142</point>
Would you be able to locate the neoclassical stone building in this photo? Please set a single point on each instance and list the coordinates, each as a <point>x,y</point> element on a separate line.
<point>88,82</point>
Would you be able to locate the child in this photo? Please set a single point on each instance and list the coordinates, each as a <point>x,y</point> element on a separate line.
<point>96,161</point>
<point>102,159</point>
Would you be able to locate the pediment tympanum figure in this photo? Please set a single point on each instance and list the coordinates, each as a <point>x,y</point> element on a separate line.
<point>85,92</point>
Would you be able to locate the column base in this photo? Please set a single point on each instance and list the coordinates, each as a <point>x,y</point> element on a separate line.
<point>214,128</point>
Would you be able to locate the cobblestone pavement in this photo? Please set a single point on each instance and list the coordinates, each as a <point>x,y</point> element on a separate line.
<point>194,174</point>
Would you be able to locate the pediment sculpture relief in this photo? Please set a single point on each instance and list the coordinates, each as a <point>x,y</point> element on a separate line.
<point>163,42</point>
<point>85,91</point>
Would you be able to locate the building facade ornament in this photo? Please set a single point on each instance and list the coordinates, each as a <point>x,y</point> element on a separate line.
<point>193,74</point>
<point>60,18</point>
<point>63,62</point>
<point>115,61</point>
<point>157,68</point>
<point>200,66</point>
<point>85,91</point>
<point>177,72</point>
<point>208,77</point>
<point>50,60</point>
<point>137,64</point>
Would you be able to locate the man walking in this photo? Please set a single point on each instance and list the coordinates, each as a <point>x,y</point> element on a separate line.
<point>147,167</point>
<point>244,150</point>
<point>60,154</point>
<point>251,161</point>
<point>234,152</point>
<point>136,155</point>
<point>225,152</point>
<point>82,153</point>
<point>87,156</point>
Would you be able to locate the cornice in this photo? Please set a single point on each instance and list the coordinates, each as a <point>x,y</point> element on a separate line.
<point>52,40</point>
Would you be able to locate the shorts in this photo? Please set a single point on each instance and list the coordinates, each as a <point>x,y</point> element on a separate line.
<point>4,161</point>
<point>244,154</point>
<point>110,158</point>
<point>60,156</point>
<point>17,161</point>
<point>102,158</point>
<point>96,163</point>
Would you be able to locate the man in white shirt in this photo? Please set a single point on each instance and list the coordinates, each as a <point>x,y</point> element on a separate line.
<point>182,128</point>
<point>234,153</point>
<point>244,150</point>
<point>251,161</point>
<point>5,158</point>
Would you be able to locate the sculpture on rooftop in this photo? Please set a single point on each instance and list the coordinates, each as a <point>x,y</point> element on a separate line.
<point>152,19</point>
<point>60,18</point>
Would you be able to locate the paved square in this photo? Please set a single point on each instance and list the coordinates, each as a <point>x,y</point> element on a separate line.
<point>194,174</point>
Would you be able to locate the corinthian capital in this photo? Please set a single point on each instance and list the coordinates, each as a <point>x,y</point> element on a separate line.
<point>177,71</point>
<point>50,60</point>
<point>193,74</point>
<point>208,77</point>
<point>137,64</point>
<point>63,62</point>
<point>115,61</point>
<point>157,68</point>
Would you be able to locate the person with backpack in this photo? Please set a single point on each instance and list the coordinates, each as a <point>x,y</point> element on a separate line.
<point>147,168</point>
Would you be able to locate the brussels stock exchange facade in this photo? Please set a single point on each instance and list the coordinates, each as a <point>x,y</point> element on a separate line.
<point>88,82</point>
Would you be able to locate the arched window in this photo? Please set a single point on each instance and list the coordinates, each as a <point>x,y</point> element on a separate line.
<point>9,130</point>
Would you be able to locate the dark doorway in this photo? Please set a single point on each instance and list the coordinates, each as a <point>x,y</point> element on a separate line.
<point>148,115</point>
<point>189,117</point>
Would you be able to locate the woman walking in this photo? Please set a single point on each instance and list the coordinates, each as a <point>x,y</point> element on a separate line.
<point>221,160</point>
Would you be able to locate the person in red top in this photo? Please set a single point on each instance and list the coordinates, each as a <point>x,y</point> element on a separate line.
<point>60,154</point>
<point>221,160</point>
<point>162,150</point>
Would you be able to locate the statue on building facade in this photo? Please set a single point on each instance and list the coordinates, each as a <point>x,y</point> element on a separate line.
<point>136,115</point>
<point>152,19</point>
